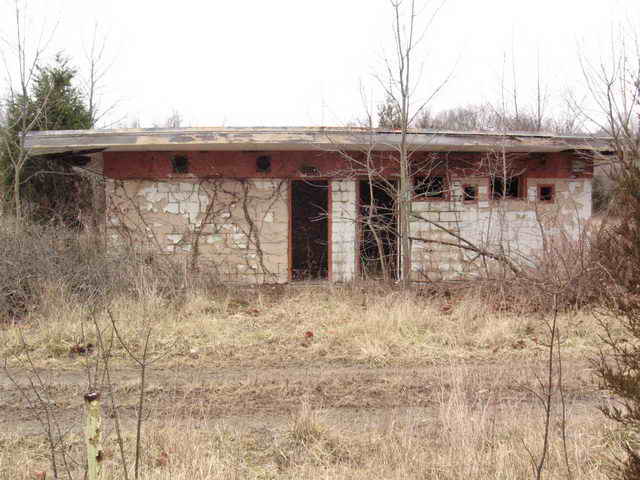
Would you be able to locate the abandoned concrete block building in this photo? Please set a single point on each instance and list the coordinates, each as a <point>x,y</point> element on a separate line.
<point>260,205</point>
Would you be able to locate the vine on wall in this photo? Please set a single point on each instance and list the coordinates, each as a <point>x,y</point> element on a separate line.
<point>215,225</point>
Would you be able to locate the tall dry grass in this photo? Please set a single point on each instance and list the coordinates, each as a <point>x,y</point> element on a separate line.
<point>261,327</point>
<point>460,436</point>
<point>38,262</point>
<point>474,419</point>
<point>55,282</point>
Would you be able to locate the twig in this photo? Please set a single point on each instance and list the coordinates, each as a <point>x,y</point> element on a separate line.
<point>549,390</point>
<point>106,354</point>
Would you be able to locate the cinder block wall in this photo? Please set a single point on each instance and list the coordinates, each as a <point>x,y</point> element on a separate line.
<point>343,230</point>
<point>515,227</point>
<point>239,229</point>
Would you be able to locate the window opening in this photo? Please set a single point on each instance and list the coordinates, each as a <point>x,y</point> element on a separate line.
<point>470,193</point>
<point>508,188</point>
<point>180,164</point>
<point>545,193</point>
<point>430,187</point>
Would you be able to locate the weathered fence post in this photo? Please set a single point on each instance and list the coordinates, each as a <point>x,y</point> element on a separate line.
<point>93,435</point>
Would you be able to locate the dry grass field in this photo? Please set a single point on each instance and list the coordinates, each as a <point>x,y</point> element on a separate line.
<point>309,382</point>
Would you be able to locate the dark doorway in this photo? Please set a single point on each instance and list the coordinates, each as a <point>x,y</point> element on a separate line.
<point>309,230</point>
<point>378,230</point>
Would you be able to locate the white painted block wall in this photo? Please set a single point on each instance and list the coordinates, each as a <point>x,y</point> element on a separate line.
<point>512,227</point>
<point>343,230</point>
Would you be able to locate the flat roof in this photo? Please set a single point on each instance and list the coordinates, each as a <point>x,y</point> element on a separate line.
<point>300,138</point>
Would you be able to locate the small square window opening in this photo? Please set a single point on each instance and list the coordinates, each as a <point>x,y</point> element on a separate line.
<point>505,188</point>
<point>546,193</point>
<point>180,164</point>
<point>430,187</point>
<point>470,193</point>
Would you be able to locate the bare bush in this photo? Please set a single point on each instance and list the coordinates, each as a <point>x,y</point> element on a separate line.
<point>618,366</point>
<point>616,90</point>
<point>34,257</point>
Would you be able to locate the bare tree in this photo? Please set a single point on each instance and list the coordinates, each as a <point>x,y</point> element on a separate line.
<point>174,120</point>
<point>468,118</point>
<point>416,177</point>
<point>98,66</point>
<point>614,86</point>
<point>388,115</point>
<point>487,117</point>
<point>22,115</point>
<point>399,87</point>
<point>3,163</point>
<point>407,175</point>
<point>512,111</point>
<point>433,176</point>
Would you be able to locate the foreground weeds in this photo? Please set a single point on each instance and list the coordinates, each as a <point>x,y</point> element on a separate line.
<point>316,382</point>
<point>299,381</point>
<point>459,436</point>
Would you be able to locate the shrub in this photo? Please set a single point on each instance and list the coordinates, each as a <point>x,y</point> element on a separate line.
<point>35,256</point>
<point>617,251</point>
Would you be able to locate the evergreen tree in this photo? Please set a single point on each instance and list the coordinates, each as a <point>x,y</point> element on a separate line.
<point>65,107</point>
<point>51,188</point>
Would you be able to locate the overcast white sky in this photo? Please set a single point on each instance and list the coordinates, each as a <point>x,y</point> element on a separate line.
<point>302,62</point>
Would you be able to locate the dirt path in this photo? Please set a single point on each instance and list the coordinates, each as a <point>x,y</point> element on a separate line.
<point>255,398</point>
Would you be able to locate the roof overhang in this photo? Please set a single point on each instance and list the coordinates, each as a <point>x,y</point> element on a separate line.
<point>306,138</point>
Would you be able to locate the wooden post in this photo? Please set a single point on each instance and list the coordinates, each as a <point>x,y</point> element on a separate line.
<point>93,435</point>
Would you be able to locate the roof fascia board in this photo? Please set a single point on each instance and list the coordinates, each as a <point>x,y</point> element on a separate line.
<point>300,139</point>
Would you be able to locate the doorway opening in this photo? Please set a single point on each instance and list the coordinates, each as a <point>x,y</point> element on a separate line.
<point>378,230</point>
<point>309,230</point>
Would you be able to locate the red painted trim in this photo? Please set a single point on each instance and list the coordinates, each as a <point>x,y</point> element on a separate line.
<point>358,239</point>
<point>330,231</point>
<point>156,165</point>
<point>289,230</point>
<point>359,227</point>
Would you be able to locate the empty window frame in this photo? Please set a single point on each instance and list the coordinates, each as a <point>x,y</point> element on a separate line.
<point>506,188</point>
<point>546,193</point>
<point>430,187</point>
<point>470,193</point>
<point>180,164</point>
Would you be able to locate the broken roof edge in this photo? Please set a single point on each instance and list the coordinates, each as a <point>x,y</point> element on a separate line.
<point>302,138</point>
